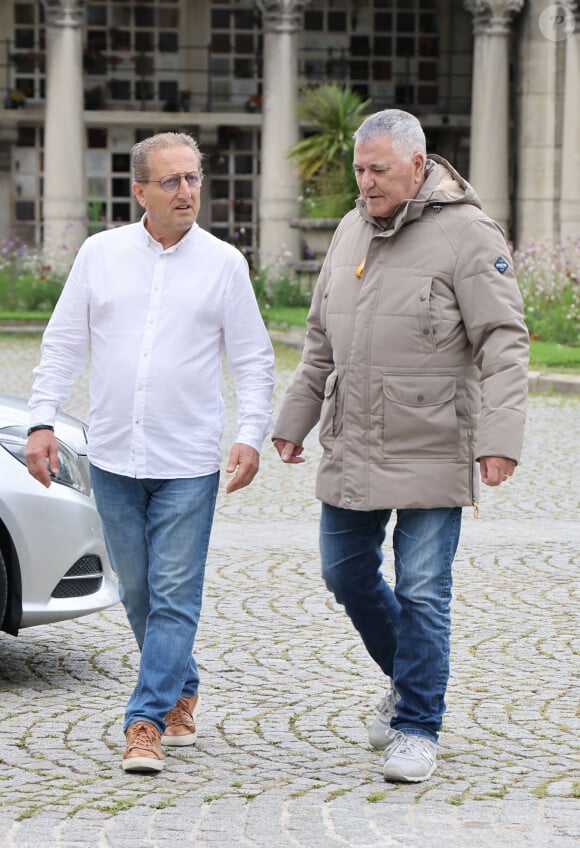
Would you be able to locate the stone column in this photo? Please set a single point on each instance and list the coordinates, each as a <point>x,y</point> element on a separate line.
<point>8,138</point>
<point>538,99</point>
<point>490,113</point>
<point>279,188</point>
<point>570,180</point>
<point>65,200</point>
<point>8,134</point>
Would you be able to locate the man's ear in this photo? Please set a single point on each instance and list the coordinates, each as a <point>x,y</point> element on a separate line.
<point>419,165</point>
<point>138,192</point>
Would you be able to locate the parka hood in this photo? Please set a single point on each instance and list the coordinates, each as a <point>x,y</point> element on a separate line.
<point>443,185</point>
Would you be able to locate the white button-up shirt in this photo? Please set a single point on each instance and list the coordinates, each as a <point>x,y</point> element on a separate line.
<point>157,323</point>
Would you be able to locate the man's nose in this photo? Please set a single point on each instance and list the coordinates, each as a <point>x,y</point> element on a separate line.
<point>183,185</point>
<point>366,179</point>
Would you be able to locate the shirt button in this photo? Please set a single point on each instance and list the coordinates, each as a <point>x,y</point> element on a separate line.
<point>420,397</point>
<point>347,500</point>
<point>423,297</point>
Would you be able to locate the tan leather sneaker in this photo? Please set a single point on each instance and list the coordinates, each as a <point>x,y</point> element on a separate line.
<point>143,748</point>
<point>180,721</point>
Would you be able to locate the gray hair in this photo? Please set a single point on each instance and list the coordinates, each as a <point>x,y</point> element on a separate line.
<point>404,128</point>
<point>141,151</point>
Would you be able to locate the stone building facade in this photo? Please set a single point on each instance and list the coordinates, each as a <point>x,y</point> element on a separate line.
<point>494,82</point>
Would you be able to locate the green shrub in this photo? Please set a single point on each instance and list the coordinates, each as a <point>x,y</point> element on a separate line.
<point>279,285</point>
<point>324,157</point>
<point>549,279</point>
<point>260,284</point>
<point>28,280</point>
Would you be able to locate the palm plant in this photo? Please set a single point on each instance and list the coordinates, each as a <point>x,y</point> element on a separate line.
<point>324,158</point>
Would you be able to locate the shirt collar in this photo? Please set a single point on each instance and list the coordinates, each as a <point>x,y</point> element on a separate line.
<point>149,241</point>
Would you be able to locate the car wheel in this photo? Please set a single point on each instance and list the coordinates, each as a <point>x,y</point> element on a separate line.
<point>3,588</point>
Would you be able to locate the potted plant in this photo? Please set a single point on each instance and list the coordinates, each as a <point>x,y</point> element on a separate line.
<point>324,161</point>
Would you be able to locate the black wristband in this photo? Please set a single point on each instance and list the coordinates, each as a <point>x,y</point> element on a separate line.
<point>40,427</point>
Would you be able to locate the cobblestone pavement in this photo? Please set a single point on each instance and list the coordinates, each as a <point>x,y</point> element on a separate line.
<point>288,691</point>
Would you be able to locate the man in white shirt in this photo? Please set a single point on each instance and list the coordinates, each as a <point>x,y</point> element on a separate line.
<point>158,303</point>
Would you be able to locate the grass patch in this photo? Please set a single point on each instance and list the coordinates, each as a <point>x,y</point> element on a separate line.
<point>287,316</point>
<point>118,806</point>
<point>375,797</point>
<point>540,791</point>
<point>16,317</point>
<point>552,355</point>
<point>336,793</point>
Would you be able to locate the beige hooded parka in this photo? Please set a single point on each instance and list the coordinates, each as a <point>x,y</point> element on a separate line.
<point>417,366</point>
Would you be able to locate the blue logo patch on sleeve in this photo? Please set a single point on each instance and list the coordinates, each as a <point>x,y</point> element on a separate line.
<point>501,265</point>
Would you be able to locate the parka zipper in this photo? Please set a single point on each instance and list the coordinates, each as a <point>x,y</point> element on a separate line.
<point>474,503</point>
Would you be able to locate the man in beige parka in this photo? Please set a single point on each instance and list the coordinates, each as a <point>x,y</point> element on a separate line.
<point>415,369</point>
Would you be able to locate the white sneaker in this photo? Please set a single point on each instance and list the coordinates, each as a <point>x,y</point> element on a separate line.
<point>411,759</point>
<point>380,729</point>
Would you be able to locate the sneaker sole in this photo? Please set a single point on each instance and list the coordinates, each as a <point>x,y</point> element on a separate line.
<point>399,778</point>
<point>143,764</point>
<point>179,741</point>
<point>186,739</point>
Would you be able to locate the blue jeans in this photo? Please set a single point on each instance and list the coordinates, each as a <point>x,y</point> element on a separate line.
<point>157,534</point>
<point>406,630</point>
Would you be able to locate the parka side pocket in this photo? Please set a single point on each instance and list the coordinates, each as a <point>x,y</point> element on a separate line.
<point>420,420</point>
<point>329,423</point>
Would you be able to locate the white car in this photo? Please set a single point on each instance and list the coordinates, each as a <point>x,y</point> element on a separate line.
<point>53,560</point>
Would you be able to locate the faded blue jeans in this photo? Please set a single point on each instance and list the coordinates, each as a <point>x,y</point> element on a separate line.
<point>157,534</point>
<point>406,630</point>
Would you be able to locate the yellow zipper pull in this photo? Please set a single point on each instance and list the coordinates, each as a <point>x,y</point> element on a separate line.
<point>475,509</point>
<point>360,269</point>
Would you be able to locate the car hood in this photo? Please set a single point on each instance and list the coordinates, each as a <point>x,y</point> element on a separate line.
<point>70,430</point>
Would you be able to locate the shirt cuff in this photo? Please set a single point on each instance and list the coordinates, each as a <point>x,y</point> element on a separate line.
<point>45,414</point>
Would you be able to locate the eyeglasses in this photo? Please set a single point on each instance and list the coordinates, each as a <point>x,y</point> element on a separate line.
<point>173,181</point>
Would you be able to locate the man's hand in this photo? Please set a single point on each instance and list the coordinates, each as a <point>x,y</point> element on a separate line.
<point>289,452</point>
<point>42,445</point>
<point>245,461</point>
<point>495,470</point>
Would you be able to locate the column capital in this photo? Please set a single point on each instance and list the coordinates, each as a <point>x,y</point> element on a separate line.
<point>64,13</point>
<point>492,17</point>
<point>282,15</point>
<point>572,7</point>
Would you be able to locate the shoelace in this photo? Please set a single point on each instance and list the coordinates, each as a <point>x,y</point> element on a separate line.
<point>144,737</point>
<point>411,746</point>
<point>180,714</point>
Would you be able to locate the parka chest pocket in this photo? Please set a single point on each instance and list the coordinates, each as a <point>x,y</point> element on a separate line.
<point>420,419</point>
<point>330,418</point>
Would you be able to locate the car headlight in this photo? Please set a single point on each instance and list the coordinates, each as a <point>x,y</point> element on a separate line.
<point>72,468</point>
